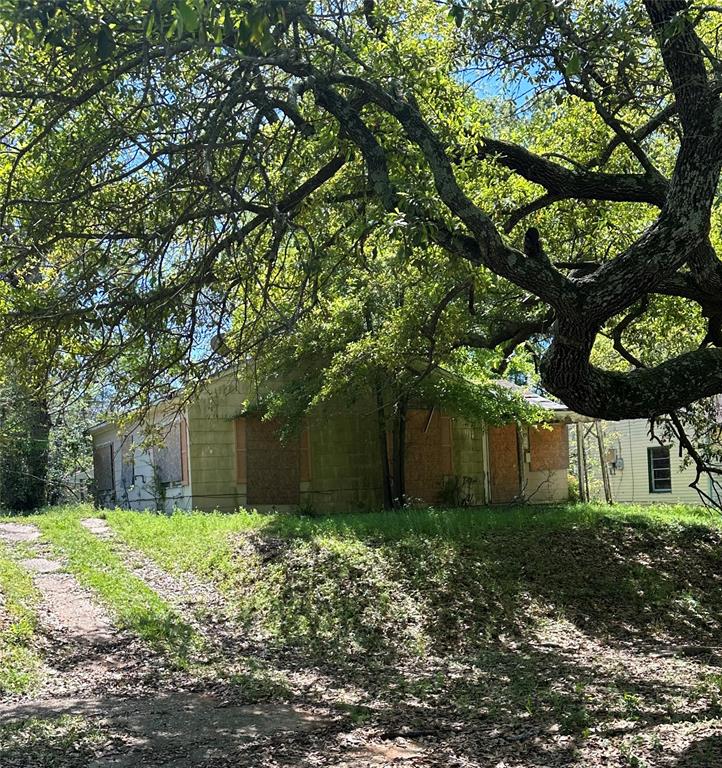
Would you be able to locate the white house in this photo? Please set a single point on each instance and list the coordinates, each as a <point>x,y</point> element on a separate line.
<point>642,471</point>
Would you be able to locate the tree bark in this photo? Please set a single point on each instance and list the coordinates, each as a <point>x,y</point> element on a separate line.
<point>383,448</point>
<point>399,450</point>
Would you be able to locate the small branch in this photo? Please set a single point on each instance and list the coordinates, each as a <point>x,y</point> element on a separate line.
<point>529,208</point>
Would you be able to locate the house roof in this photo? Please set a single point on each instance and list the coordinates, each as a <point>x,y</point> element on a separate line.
<point>558,411</point>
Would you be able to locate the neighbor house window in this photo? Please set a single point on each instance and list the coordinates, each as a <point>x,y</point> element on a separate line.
<point>660,469</point>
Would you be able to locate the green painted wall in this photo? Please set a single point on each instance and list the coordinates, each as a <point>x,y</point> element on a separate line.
<point>468,446</point>
<point>344,457</point>
<point>212,445</point>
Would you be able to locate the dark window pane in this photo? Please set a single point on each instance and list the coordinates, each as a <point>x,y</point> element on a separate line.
<point>660,470</point>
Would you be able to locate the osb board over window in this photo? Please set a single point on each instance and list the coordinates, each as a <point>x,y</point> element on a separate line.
<point>241,452</point>
<point>428,458</point>
<point>103,467</point>
<point>503,464</point>
<point>171,459</point>
<point>273,473</point>
<point>549,448</point>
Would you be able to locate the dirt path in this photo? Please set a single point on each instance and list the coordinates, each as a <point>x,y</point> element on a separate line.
<point>339,744</point>
<point>83,650</point>
<point>200,604</point>
<point>115,700</point>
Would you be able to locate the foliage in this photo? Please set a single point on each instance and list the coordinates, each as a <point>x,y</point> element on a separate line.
<point>45,452</point>
<point>24,447</point>
<point>373,191</point>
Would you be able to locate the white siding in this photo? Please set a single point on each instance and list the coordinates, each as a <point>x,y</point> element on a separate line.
<point>141,493</point>
<point>631,440</point>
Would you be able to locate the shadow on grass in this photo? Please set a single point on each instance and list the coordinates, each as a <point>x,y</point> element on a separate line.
<point>369,594</point>
<point>168,729</point>
<point>517,706</point>
<point>439,634</point>
<point>434,629</point>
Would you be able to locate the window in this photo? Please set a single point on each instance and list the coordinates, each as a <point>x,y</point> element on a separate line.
<point>171,459</point>
<point>103,467</point>
<point>660,470</point>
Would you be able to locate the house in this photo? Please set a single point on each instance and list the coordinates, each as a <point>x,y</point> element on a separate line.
<point>215,454</point>
<point>644,471</point>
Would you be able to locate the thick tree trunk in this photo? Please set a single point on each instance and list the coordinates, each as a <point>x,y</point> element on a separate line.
<point>38,453</point>
<point>24,453</point>
<point>383,448</point>
<point>399,442</point>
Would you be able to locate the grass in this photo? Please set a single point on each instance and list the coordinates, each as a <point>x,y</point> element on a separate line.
<point>472,523</point>
<point>539,621</point>
<point>411,582</point>
<point>54,738</point>
<point>201,543</point>
<point>20,663</point>
<point>395,585</point>
<point>134,605</point>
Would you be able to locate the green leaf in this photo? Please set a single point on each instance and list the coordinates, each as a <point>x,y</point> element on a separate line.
<point>106,43</point>
<point>188,15</point>
<point>574,65</point>
<point>457,14</point>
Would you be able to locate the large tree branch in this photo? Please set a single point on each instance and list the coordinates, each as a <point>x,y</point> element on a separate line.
<point>510,332</point>
<point>580,184</point>
<point>684,61</point>
<point>568,374</point>
<point>536,275</point>
<point>654,123</point>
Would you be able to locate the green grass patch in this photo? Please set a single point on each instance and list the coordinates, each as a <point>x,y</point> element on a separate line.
<point>134,605</point>
<point>416,581</point>
<point>201,543</point>
<point>20,663</point>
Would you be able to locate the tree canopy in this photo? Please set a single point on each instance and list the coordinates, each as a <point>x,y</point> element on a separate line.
<point>522,173</point>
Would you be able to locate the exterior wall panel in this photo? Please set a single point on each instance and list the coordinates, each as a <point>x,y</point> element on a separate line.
<point>212,446</point>
<point>273,475</point>
<point>630,440</point>
<point>546,464</point>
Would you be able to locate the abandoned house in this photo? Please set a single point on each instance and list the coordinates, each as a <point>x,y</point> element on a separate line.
<point>214,455</point>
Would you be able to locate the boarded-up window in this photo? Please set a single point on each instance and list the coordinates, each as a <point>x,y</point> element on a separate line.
<point>103,467</point>
<point>428,458</point>
<point>549,448</point>
<point>503,464</point>
<point>240,426</point>
<point>171,459</point>
<point>305,475</point>
<point>272,466</point>
<point>127,456</point>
